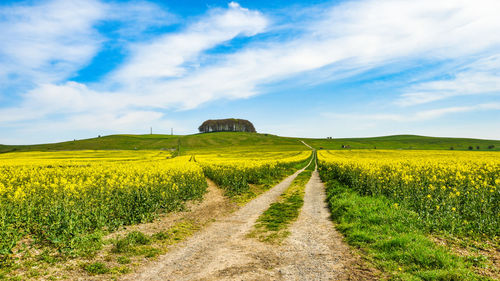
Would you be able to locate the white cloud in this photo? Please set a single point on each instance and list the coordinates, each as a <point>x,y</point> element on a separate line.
<point>49,41</point>
<point>479,78</point>
<point>165,56</point>
<point>174,71</point>
<point>71,104</point>
<point>349,38</point>
<point>136,17</point>
<point>423,115</point>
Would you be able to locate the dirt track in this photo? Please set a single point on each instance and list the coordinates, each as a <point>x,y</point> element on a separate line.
<point>222,251</point>
<point>314,250</point>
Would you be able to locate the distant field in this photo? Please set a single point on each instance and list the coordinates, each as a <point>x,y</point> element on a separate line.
<point>63,157</point>
<point>227,141</point>
<point>406,142</point>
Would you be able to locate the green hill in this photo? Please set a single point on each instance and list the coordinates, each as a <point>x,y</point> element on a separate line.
<point>226,141</point>
<point>198,143</point>
<point>406,142</point>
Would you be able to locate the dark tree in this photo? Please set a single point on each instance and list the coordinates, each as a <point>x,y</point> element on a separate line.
<point>227,125</point>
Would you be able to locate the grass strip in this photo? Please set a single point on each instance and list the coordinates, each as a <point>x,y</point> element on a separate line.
<point>272,225</point>
<point>393,238</point>
<point>255,190</point>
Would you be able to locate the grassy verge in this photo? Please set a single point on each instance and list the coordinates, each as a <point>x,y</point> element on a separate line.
<point>394,239</point>
<point>272,225</point>
<point>113,257</point>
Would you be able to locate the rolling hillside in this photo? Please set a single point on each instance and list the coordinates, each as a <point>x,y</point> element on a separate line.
<point>200,143</point>
<point>406,142</point>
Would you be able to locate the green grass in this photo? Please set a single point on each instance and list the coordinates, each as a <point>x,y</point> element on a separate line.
<point>405,142</point>
<point>188,144</point>
<point>252,142</point>
<point>272,225</point>
<point>394,239</point>
<point>96,268</point>
<point>127,243</point>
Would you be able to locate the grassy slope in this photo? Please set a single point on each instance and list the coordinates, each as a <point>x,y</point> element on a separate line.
<point>200,143</point>
<point>405,142</point>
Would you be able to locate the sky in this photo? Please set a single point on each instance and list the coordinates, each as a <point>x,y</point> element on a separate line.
<point>74,69</point>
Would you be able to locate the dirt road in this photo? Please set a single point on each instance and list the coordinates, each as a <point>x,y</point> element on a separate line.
<point>314,250</point>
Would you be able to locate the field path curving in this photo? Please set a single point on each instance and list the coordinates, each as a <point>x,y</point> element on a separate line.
<point>222,251</point>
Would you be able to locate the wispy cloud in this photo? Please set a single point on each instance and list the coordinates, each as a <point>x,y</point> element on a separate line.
<point>48,42</point>
<point>423,115</point>
<point>165,57</point>
<point>479,78</point>
<point>347,38</point>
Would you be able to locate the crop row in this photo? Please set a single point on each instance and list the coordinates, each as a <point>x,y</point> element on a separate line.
<point>235,175</point>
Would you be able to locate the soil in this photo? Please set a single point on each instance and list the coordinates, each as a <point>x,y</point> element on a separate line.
<point>213,205</point>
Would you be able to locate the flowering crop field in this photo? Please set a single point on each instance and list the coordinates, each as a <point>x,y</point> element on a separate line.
<point>64,198</point>
<point>57,197</point>
<point>453,191</point>
<point>234,172</point>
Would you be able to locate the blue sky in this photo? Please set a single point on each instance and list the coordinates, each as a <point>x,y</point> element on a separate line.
<point>72,69</point>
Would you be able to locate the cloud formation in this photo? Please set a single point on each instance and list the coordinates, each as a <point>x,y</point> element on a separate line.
<point>47,43</point>
<point>418,116</point>
<point>482,77</point>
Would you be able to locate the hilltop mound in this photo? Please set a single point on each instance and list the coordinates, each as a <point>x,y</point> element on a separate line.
<point>227,125</point>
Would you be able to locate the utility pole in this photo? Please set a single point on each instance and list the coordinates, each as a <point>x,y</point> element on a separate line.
<point>150,130</point>
<point>171,131</point>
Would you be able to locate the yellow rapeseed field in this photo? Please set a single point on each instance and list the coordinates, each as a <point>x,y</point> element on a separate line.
<point>235,171</point>
<point>63,198</point>
<point>57,197</point>
<point>454,191</point>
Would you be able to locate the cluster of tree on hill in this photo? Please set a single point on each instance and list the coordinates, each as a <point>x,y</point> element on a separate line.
<point>227,125</point>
